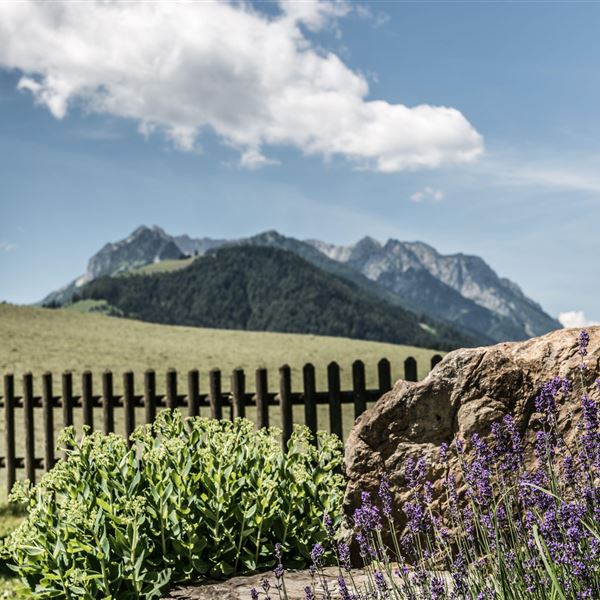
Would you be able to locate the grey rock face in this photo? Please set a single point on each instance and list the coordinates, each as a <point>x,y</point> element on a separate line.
<point>466,393</point>
<point>144,246</point>
<point>460,288</point>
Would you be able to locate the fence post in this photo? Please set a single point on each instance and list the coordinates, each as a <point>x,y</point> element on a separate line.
<point>150,396</point>
<point>67,398</point>
<point>171,389</point>
<point>214,395</point>
<point>193,393</point>
<point>108,416</point>
<point>335,399</point>
<point>262,398</point>
<point>48,420</point>
<point>87,399</point>
<point>29,426</point>
<point>310,399</point>
<point>128,404</point>
<point>384,375</point>
<point>9,430</point>
<point>238,389</point>
<point>285,402</point>
<point>435,359</point>
<point>359,388</point>
<point>410,369</point>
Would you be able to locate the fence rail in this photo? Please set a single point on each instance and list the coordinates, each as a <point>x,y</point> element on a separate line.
<point>236,400</point>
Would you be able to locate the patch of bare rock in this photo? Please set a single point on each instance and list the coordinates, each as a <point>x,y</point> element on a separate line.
<point>466,392</point>
<point>238,588</point>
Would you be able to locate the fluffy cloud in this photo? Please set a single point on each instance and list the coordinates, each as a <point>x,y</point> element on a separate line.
<point>427,193</point>
<point>575,318</point>
<point>255,80</point>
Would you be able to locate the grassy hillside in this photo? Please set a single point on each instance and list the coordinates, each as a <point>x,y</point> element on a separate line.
<point>164,266</point>
<point>265,289</point>
<point>38,340</point>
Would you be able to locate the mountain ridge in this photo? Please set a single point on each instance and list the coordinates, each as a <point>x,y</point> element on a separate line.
<point>261,288</point>
<point>459,289</point>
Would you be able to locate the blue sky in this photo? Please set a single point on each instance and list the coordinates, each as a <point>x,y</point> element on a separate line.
<point>511,174</point>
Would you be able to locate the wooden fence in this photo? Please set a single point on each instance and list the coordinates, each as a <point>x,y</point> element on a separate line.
<point>236,400</point>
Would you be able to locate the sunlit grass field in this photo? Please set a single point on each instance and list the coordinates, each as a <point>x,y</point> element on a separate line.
<point>39,340</point>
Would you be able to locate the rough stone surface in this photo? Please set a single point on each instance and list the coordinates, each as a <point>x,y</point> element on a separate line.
<point>238,588</point>
<point>464,394</point>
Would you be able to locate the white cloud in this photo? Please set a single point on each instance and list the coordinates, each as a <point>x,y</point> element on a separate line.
<point>7,246</point>
<point>378,18</point>
<point>257,81</point>
<point>568,173</point>
<point>427,193</point>
<point>575,318</point>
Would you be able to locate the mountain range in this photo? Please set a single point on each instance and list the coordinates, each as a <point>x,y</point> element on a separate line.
<point>459,291</point>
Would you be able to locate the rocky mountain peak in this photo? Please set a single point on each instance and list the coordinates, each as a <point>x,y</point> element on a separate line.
<point>454,286</point>
<point>143,246</point>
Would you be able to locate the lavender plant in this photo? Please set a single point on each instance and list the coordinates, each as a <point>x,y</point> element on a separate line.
<point>190,498</point>
<point>511,528</point>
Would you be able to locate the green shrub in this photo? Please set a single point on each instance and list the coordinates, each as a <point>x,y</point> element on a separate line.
<point>191,498</point>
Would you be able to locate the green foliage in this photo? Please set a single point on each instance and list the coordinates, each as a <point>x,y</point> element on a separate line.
<point>266,289</point>
<point>190,498</point>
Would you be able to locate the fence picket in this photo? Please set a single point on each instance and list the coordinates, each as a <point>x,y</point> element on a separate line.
<point>384,375</point>
<point>29,427</point>
<point>193,397</point>
<point>9,430</point>
<point>214,396</point>
<point>310,397</point>
<point>359,388</point>
<point>238,389</point>
<point>172,389</point>
<point>48,420</point>
<point>262,398</point>
<point>87,399</point>
<point>129,404</point>
<point>410,369</point>
<point>150,396</point>
<point>285,401</point>
<point>67,398</point>
<point>335,399</point>
<point>108,417</point>
<point>435,359</point>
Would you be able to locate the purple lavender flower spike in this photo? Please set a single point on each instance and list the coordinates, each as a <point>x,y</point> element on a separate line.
<point>343,589</point>
<point>254,594</point>
<point>380,582</point>
<point>278,571</point>
<point>316,554</point>
<point>308,593</point>
<point>443,455</point>
<point>344,556</point>
<point>438,589</point>
<point>328,524</point>
<point>367,516</point>
<point>385,496</point>
<point>584,340</point>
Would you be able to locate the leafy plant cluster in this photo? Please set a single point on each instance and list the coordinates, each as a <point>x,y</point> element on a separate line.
<point>511,530</point>
<point>190,498</point>
<point>267,289</point>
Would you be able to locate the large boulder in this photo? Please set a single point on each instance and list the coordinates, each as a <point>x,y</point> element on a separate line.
<point>465,393</point>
